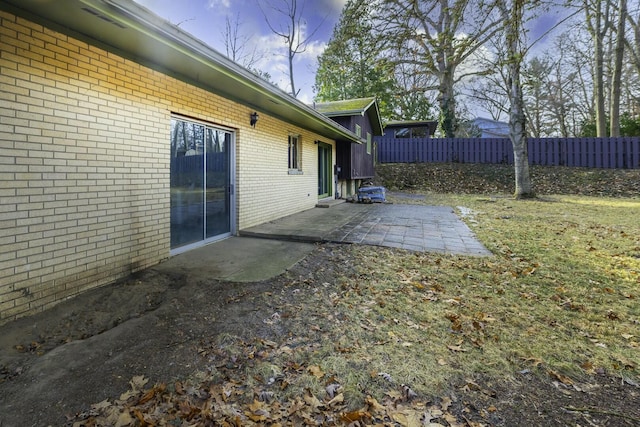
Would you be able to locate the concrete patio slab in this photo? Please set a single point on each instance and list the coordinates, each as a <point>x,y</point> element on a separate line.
<point>412,227</point>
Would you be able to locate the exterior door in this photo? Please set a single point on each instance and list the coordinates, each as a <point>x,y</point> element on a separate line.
<point>324,170</point>
<point>201,184</point>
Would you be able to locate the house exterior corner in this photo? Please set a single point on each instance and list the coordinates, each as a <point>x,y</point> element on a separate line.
<point>98,155</point>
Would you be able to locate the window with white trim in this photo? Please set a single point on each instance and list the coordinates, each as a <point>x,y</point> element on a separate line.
<point>295,154</point>
<point>368,143</point>
<point>358,130</point>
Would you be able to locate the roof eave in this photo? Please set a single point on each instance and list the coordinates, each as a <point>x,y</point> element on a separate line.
<point>184,55</point>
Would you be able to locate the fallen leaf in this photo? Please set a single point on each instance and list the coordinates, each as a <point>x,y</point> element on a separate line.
<point>270,343</point>
<point>101,405</point>
<point>257,411</point>
<point>373,404</point>
<point>296,406</point>
<point>286,349</point>
<point>452,420</point>
<point>588,367</point>
<point>456,324</point>
<point>179,388</point>
<point>138,382</point>
<point>159,388</point>
<point>445,403</point>
<point>125,419</point>
<point>394,395</point>
<point>562,378</point>
<point>338,399</point>
<point>311,400</point>
<point>471,385</point>
<point>407,418</point>
<point>355,416</point>
<point>316,371</point>
<point>434,412</point>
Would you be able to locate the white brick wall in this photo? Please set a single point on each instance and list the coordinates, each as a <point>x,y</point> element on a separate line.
<point>84,165</point>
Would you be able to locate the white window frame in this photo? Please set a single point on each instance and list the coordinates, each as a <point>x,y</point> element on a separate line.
<point>294,156</point>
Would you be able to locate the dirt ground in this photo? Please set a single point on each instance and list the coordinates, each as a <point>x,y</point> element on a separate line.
<point>55,365</point>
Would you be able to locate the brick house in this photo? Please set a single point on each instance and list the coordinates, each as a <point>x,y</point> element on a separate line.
<point>125,140</point>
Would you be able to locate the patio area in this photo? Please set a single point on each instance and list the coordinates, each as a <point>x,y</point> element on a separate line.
<point>411,227</point>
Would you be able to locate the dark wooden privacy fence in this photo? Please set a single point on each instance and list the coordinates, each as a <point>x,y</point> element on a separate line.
<point>609,153</point>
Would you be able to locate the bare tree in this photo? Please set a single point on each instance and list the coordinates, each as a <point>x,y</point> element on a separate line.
<point>292,32</point>
<point>237,45</point>
<point>535,84</point>
<point>632,41</point>
<point>569,85</point>
<point>436,37</point>
<point>488,90</point>
<point>488,94</point>
<point>412,101</point>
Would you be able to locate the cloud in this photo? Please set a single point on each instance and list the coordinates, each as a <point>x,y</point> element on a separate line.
<point>213,4</point>
<point>306,98</point>
<point>313,50</point>
<point>273,60</point>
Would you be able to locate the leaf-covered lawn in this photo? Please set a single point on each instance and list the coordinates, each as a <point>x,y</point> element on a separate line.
<point>470,178</point>
<point>377,336</point>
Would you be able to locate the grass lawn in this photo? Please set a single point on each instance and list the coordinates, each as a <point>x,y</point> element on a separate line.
<point>559,299</point>
<point>379,336</point>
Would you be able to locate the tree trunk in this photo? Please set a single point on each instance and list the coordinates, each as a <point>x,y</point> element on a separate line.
<point>294,93</point>
<point>614,112</point>
<point>518,135</point>
<point>516,110</point>
<point>447,105</point>
<point>596,26</point>
<point>601,118</point>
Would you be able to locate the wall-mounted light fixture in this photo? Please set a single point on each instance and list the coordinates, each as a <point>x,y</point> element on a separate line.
<point>254,119</point>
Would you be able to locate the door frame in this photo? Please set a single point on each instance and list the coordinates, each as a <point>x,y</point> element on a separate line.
<point>231,190</point>
<point>325,163</point>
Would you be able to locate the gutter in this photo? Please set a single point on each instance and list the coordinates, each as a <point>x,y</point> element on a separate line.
<point>185,43</point>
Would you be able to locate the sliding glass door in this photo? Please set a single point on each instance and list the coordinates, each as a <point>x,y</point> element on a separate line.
<point>201,183</point>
